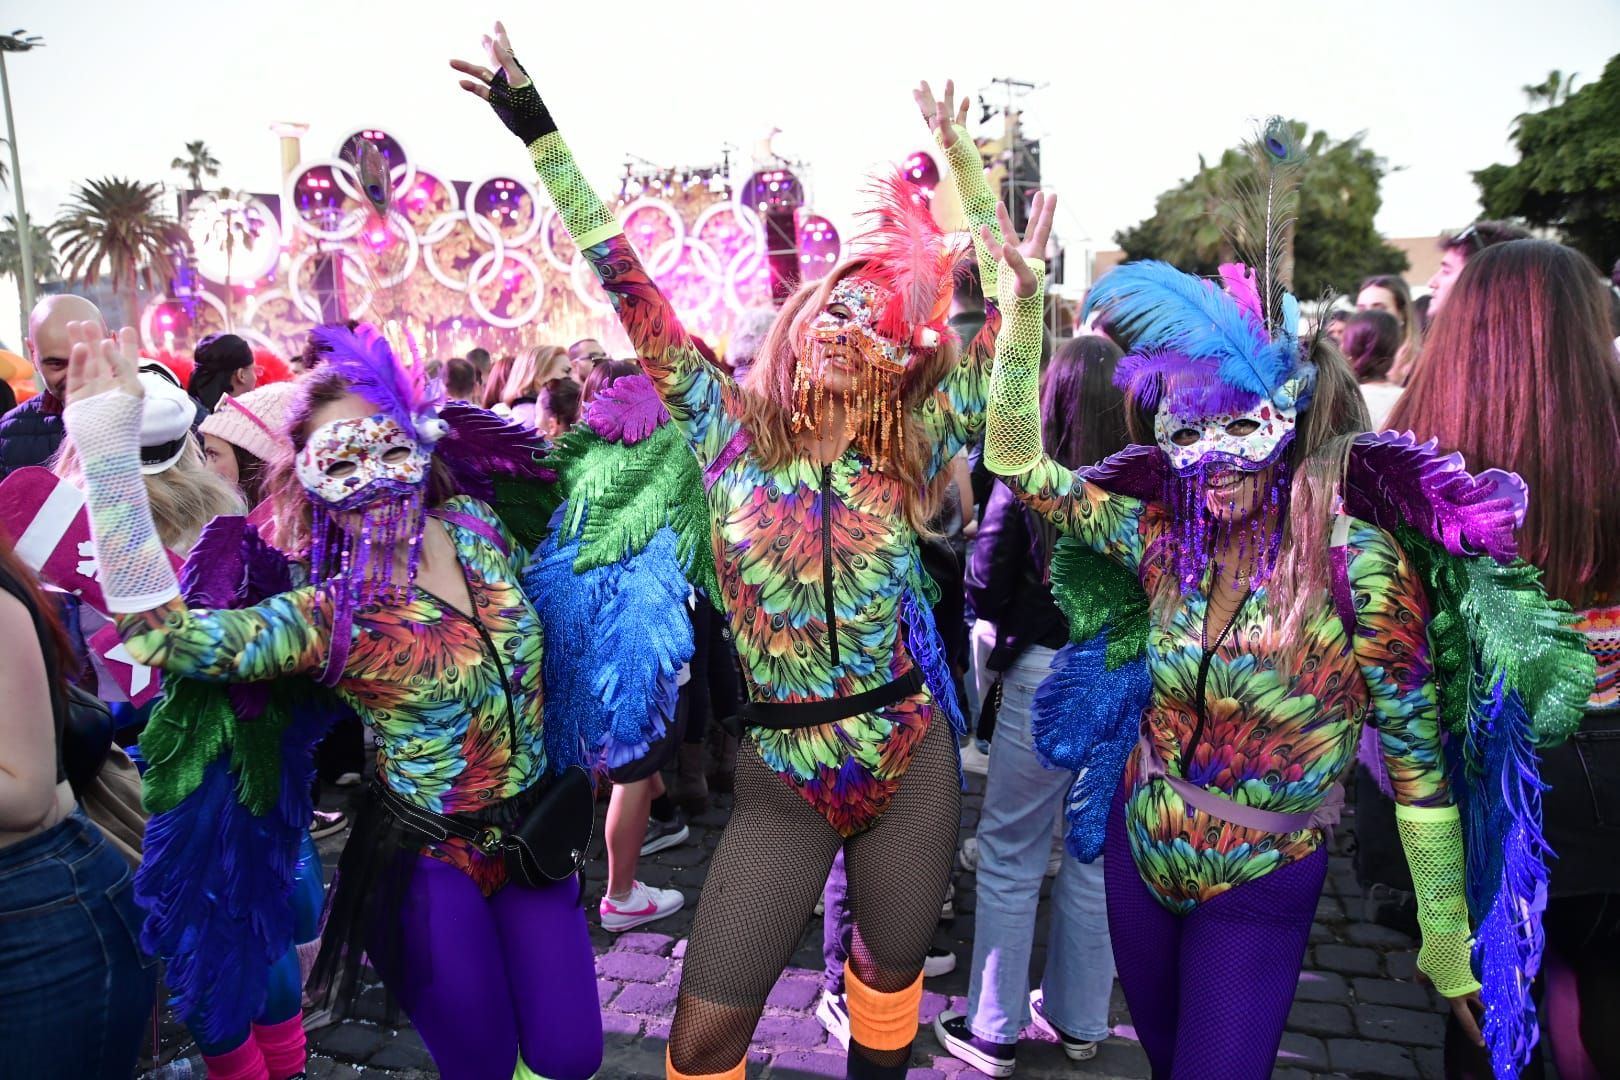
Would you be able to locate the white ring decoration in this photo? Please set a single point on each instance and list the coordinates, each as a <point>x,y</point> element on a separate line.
<point>403,229</point>
<point>745,218</point>
<point>548,248</point>
<point>405,169</point>
<point>353,221</point>
<point>677,227</point>
<point>504,322</point>
<point>487,233</point>
<point>531,229</point>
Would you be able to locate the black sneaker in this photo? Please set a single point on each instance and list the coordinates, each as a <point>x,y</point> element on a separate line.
<point>991,1058</point>
<point>665,834</point>
<point>1076,1049</point>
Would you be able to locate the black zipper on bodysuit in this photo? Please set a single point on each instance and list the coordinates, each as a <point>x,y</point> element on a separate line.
<point>1203,676</point>
<point>827,561</point>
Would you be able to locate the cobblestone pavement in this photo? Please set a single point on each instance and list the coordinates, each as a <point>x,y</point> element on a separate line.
<point>1358,1011</point>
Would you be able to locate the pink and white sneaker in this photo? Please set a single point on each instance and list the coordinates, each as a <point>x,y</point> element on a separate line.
<point>645,904</point>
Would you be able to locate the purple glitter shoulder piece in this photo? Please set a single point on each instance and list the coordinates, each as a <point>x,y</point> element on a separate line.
<point>1138,471</point>
<point>481,446</point>
<point>1393,479</point>
<point>231,566</point>
<point>627,411</point>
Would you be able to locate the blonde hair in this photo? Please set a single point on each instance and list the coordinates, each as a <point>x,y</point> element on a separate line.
<point>184,498</point>
<point>767,408</point>
<point>532,369</point>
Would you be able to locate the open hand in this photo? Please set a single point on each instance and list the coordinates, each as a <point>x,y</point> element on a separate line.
<point>1468,1009</point>
<point>100,365</point>
<point>1016,253</point>
<point>944,116</point>
<point>499,50</point>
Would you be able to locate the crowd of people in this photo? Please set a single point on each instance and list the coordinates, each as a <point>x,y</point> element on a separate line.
<point>1184,577</point>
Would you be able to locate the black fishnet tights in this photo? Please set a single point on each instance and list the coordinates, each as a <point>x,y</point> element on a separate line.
<point>767,873</point>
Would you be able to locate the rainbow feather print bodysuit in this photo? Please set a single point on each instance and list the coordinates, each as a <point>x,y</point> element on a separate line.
<point>1278,719</point>
<point>813,562</point>
<point>447,698</point>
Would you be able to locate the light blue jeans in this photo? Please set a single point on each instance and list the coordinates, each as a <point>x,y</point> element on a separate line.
<point>1021,800</point>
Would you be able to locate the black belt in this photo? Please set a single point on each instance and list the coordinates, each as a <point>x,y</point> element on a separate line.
<point>484,828</point>
<point>786,715</point>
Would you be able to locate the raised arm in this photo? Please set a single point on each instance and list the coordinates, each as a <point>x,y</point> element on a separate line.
<point>700,398</point>
<point>1108,523</point>
<point>283,635</point>
<point>955,415</point>
<point>1392,650</point>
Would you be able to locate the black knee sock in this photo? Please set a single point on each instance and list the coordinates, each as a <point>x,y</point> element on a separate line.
<point>859,1067</point>
<point>663,808</point>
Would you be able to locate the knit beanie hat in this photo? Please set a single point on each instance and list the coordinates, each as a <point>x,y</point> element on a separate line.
<point>255,421</point>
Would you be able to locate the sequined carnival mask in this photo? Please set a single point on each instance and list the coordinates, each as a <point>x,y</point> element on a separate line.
<point>349,464</point>
<point>1248,440</point>
<point>857,338</point>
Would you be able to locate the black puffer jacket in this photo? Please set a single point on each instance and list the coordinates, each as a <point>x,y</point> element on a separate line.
<point>1006,581</point>
<point>30,433</point>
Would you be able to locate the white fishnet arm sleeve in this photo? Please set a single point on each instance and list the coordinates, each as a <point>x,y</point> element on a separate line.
<point>1012,441</point>
<point>588,221</point>
<point>135,571</point>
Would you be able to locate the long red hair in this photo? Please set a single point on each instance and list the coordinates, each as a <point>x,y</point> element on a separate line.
<point>1519,373</point>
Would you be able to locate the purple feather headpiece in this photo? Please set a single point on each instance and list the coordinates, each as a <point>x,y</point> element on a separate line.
<point>368,364</point>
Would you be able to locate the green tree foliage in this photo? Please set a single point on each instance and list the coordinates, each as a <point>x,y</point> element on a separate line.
<point>11,251</point>
<point>1335,243</point>
<point>120,225</point>
<point>1568,173</point>
<point>198,162</point>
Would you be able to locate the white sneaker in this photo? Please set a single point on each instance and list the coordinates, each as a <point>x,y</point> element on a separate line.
<point>644,905</point>
<point>938,962</point>
<point>833,1012</point>
<point>969,855</point>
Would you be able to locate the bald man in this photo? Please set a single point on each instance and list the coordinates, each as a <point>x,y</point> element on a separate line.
<point>30,433</point>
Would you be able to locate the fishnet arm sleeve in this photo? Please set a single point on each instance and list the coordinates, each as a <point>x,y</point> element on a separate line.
<point>1110,524</point>
<point>696,394</point>
<point>978,205</point>
<point>134,569</point>
<point>1433,842</point>
<point>284,635</point>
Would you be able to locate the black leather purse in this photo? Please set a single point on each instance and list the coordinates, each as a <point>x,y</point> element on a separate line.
<point>551,841</point>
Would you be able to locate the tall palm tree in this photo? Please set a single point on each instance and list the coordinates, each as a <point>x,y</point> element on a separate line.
<point>198,162</point>
<point>40,248</point>
<point>120,224</point>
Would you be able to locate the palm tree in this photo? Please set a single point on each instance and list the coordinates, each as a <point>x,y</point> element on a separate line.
<point>120,224</point>
<point>11,252</point>
<point>198,162</point>
<point>1552,91</point>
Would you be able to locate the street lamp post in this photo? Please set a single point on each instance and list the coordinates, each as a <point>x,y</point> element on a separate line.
<point>19,41</point>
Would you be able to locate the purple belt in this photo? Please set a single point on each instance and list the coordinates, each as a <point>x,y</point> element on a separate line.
<point>1324,816</point>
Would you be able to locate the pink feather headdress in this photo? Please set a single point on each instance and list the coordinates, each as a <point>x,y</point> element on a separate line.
<point>912,261</point>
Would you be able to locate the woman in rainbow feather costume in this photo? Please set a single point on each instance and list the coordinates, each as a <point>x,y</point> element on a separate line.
<point>819,477</point>
<point>1247,589</point>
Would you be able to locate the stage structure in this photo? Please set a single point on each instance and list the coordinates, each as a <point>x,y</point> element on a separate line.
<point>462,263</point>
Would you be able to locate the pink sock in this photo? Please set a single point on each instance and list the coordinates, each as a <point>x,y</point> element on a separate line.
<point>246,1062</point>
<point>283,1046</point>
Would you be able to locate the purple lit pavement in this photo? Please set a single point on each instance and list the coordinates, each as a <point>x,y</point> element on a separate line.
<point>1358,1011</point>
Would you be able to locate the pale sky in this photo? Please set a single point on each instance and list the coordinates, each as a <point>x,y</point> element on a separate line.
<point>1133,91</point>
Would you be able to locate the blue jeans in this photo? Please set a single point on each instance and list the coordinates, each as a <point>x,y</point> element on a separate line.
<point>1022,799</point>
<point>75,988</point>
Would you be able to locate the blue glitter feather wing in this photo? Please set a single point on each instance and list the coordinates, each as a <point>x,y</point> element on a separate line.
<point>928,652</point>
<point>617,636</point>
<point>1087,717</point>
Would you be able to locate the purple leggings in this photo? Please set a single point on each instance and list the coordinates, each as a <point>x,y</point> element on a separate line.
<point>482,977</point>
<point>1209,991</point>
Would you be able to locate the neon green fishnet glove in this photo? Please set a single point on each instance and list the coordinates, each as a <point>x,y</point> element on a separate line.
<point>1012,440</point>
<point>1431,836</point>
<point>978,204</point>
<point>588,221</point>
